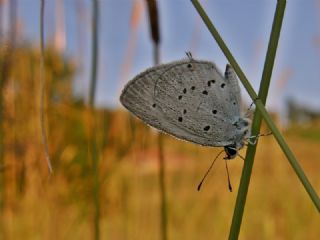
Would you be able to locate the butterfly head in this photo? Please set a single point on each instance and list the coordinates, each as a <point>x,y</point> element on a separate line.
<point>242,132</point>
<point>231,151</point>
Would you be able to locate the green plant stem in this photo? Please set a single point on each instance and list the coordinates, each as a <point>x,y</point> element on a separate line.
<point>42,89</point>
<point>155,38</point>
<point>259,105</point>
<point>94,58</point>
<point>162,183</point>
<point>93,135</point>
<point>257,119</point>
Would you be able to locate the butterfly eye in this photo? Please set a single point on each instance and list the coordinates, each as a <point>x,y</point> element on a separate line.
<point>231,151</point>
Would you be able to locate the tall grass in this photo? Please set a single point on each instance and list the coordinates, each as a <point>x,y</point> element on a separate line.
<point>93,149</point>
<point>257,119</point>
<point>44,136</point>
<point>259,102</point>
<point>155,38</point>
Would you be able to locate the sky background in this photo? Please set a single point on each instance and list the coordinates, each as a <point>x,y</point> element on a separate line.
<point>125,48</point>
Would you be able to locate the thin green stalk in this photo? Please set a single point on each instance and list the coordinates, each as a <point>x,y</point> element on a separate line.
<point>42,89</point>
<point>155,37</point>
<point>93,135</point>
<point>94,58</point>
<point>259,105</point>
<point>162,183</point>
<point>257,119</point>
<point>96,179</point>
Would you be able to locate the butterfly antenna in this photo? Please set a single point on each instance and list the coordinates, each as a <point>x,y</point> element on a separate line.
<point>205,175</point>
<point>229,182</point>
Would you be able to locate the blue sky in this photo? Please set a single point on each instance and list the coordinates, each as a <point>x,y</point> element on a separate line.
<point>244,25</point>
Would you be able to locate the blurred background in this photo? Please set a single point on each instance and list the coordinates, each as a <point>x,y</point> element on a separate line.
<point>113,176</point>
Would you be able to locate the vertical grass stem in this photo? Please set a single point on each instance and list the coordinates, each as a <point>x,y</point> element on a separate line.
<point>93,135</point>
<point>259,104</point>
<point>257,119</point>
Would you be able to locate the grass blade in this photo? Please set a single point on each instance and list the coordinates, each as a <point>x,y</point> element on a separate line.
<point>42,89</point>
<point>155,37</point>
<point>93,150</point>
<point>260,106</point>
<point>257,119</point>
<point>94,58</point>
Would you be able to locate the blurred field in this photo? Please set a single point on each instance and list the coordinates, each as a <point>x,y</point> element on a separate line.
<point>60,206</point>
<point>122,194</point>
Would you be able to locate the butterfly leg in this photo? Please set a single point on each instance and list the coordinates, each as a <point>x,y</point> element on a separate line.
<point>253,139</point>
<point>241,157</point>
<point>249,111</point>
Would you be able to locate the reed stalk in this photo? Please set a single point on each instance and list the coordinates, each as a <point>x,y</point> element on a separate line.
<point>259,113</point>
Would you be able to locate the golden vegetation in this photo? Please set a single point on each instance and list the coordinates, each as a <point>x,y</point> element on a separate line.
<point>37,205</point>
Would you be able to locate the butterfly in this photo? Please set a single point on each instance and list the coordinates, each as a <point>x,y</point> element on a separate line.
<point>192,100</point>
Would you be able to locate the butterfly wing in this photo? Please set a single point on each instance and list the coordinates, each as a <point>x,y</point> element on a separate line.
<point>188,99</point>
<point>233,82</point>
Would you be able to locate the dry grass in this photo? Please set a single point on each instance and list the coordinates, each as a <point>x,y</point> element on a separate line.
<point>60,208</point>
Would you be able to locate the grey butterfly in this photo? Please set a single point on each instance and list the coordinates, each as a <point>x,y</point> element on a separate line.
<point>191,100</point>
